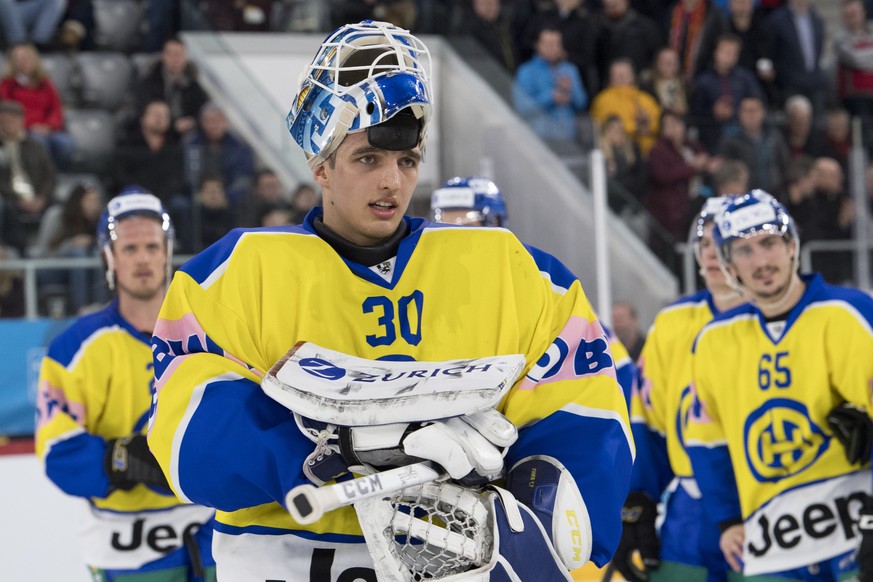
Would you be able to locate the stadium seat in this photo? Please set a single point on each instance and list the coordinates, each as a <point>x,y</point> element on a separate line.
<point>93,130</point>
<point>119,25</point>
<point>62,71</point>
<point>142,62</point>
<point>106,79</point>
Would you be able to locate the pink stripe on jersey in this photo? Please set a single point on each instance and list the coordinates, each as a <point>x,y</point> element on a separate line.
<point>697,413</point>
<point>51,401</point>
<point>643,389</point>
<point>581,349</point>
<point>187,333</point>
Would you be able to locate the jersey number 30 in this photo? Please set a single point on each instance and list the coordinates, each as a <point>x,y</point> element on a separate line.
<point>406,316</point>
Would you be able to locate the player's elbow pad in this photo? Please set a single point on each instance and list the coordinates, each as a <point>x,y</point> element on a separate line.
<point>545,486</point>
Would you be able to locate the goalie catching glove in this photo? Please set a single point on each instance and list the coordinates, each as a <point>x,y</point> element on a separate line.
<point>129,462</point>
<point>638,533</point>
<point>535,533</point>
<point>853,428</point>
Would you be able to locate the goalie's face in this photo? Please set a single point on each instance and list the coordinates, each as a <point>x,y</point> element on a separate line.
<point>366,190</point>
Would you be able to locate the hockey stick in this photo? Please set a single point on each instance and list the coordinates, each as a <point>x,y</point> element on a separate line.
<point>307,503</point>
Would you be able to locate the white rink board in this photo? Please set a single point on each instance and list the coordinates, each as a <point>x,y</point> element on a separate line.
<point>37,525</point>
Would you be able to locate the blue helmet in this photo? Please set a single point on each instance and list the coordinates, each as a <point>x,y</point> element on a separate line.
<point>480,195</point>
<point>363,75</point>
<point>707,215</point>
<point>131,201</point>
<point>747,215</point>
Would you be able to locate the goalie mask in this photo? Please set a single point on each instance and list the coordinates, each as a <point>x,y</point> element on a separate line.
<point>748,215</point>
<point>369,76</point>
<point>479,200</point>
<point>132,201</point>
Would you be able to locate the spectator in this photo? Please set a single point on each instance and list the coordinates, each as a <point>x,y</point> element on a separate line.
<point>694,27</point>
<point>799,32</point>
<point>213,150</point>
<point>837,132</point>
<point>637,109</point>
<point>173,79</point>
<point>718,91</point>
<point>401,13</point>
<point>34,21</point>
<point>625,167</point>
<point>756,55</point>
<point>627,34</point>
<point>494,27</point>
<point>731,178</point>
<point>676,169</point>
<point>761,148</point>
<point>626,325</point>
<point>164,22</point>
<point>548,92</point>
<point>581,35</point>
<point>281,214</point>
<point>852,44</point>
<point>78,27</point>
<point>304,199</point>
<point>214,216</point>
<point>665,83</point>
<point>267,192</point>
<point>801,135</point>
<point>249,16</point>
<point>798,191</point>
<point>68,231</point>
<point>11,287</point>
<point>26,81</point>
<point>832,213</point>
<point>27,175</point>
<point>150,155</point>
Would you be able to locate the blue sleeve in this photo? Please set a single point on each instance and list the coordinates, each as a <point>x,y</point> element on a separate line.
<point>652,472</point>
<point>715,477</point>
<point>241,448</point>
<point>595,451</point>
<point>75,465</point>
<point>578,94</point>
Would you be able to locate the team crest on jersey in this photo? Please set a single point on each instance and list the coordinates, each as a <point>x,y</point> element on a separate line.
<point>781,440</point>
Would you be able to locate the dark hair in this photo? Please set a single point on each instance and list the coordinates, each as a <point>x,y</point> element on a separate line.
<point>73,222</point>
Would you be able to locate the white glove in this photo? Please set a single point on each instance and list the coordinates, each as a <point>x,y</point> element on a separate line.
<point>467,447</point>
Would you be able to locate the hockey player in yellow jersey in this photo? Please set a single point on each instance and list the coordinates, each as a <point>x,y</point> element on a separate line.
<point>764,440</point>
<point>686,547</point>
<point>478,201</point>
<point>95,391</point>
<point>360,281</point>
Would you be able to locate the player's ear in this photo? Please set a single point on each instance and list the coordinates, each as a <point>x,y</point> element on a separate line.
<point>321,174</point>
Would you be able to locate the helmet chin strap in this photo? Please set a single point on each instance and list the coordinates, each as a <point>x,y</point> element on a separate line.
<point>110,267</point>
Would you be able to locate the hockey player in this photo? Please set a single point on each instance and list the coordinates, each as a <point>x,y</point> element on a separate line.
<point>772,466</point>
<point>687,548</point>
<point>360,278</point>
<point>473,201</point>
<point>95,391</point>
<point>476,201</point>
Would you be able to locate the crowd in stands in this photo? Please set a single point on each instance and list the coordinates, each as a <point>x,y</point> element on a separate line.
<point>676,89</point>
<point>679,92</point>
